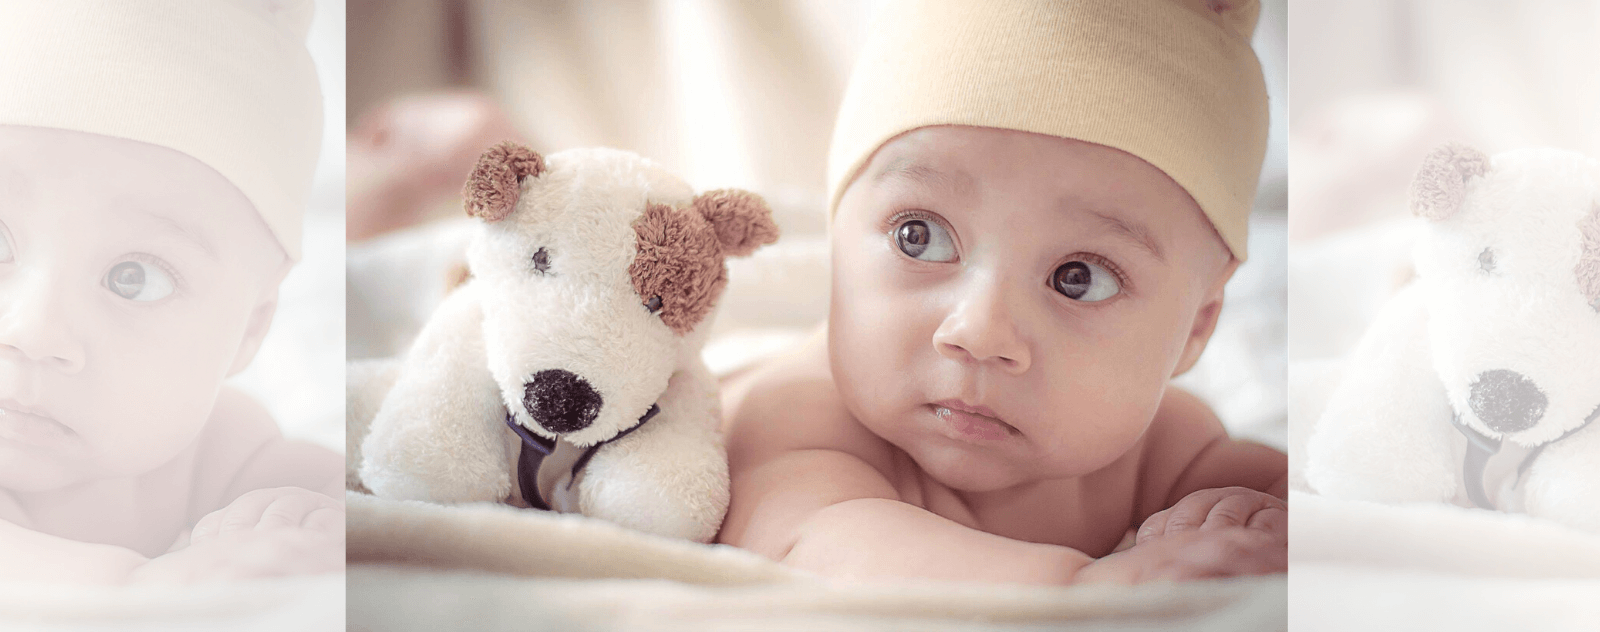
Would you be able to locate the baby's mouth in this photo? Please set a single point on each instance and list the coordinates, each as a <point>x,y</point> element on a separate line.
<point>972,423</point>
<point>30,426</point>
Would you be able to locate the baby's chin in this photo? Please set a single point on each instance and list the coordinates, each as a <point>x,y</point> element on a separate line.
<point>968,468</point>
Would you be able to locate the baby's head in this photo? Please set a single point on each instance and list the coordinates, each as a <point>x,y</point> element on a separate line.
<point>155,158</point>
<point>1036,208</point>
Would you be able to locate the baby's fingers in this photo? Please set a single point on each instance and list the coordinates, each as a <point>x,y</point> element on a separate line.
<point>1233,511</point>
<point>291,509</point>
<point>1153,527</point>
<point>1188,515</point>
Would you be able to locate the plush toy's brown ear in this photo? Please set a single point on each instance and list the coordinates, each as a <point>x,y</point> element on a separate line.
<point>1441,184</point>
<point>742,219</point>
<point>1588,269</point>
<point>496,182</point>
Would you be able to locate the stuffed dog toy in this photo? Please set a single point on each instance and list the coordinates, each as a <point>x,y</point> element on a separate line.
<point>1479,382</point>
<point>565,373</point>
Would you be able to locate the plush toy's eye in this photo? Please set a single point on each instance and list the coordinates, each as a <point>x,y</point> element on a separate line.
<point>654,305</point>
<point>1486,260</point>
<point>541,261</point>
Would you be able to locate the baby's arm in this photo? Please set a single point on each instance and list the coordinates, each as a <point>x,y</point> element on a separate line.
<point>246,449</point>
<point>830,512</point>
<point>809,489</point>
<point>270,506</point>
<point>27,555</point>
<point>1201,479</point>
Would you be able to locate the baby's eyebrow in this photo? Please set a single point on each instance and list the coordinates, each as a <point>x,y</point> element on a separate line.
<point>173,228</point>
<point>1133,232</point>
<point>907,168</point>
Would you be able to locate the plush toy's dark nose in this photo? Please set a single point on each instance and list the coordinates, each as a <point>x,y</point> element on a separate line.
<point>561,401</point>
<point>1506,401</point>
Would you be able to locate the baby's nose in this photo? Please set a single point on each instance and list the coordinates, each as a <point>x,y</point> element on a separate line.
<point>561,401</point>
<point>983,329</point>
<point>31,325</point>
<point>1507,401</point>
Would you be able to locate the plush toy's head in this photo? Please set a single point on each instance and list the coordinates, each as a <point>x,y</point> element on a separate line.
<point>1511,269</point>
<point>598,271</point>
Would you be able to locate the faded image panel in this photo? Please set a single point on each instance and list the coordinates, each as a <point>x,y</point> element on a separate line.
<point>171,320</point>
<point>1444,301</point>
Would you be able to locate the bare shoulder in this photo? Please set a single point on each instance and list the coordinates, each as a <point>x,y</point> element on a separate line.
<point>1183,428</point>
<point>792,404</point>
<point>793,450</point>
<point>241,449</point>
<point>1188,449</point>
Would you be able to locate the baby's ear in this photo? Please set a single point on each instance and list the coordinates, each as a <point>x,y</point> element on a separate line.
<point>742,219</point>
<point>1441,184</point>
<point>496,182</point>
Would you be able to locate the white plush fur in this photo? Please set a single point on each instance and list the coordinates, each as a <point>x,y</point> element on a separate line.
<point>1386,434</point>
<point>440,434</point>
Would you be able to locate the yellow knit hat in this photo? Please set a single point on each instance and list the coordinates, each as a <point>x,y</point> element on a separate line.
<point>228,82</point>
<point>1173,82</point>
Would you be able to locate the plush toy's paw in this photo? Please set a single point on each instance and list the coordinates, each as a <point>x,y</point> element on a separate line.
<point>367,382</point>
<point>1368,459</point>
<point>671,479</point>
<point>1564,482</point>
<point>403,482</point>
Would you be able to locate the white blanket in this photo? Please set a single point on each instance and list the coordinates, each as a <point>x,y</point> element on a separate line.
<point>417,566</point>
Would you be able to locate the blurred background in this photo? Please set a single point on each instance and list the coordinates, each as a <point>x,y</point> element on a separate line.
<point>1378,83</point>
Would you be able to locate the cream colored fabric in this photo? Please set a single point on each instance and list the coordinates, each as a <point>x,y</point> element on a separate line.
<point>420,566</point>
<point>1173,82</point>
<point>228,82</point>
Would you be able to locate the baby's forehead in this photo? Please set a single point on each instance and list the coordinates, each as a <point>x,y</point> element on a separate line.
<point>118,190</point>
<point>65,164</point>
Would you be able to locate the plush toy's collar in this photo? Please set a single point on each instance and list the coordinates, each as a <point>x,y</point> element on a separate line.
<point>1481,446</point>
<point>535,448</point>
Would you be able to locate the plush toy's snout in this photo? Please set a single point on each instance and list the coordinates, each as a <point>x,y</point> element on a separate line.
<point>561,401</point>
<point>1507,401</point>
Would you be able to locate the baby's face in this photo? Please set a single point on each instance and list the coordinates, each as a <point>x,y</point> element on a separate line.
<point>133,279</point>
<point>1008,307</point>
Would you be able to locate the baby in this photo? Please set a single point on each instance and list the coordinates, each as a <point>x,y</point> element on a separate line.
<point>155,158</point>
<point>1037,206</point>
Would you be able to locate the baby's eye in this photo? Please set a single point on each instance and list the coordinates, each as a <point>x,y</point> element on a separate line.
<point>1084,281</point>
<point>137,281</point>
<point>924,240</point>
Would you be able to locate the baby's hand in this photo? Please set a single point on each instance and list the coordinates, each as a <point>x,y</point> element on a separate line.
<point>269,509</point>
<point>1193,554</point>
<point>1210,509</point>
